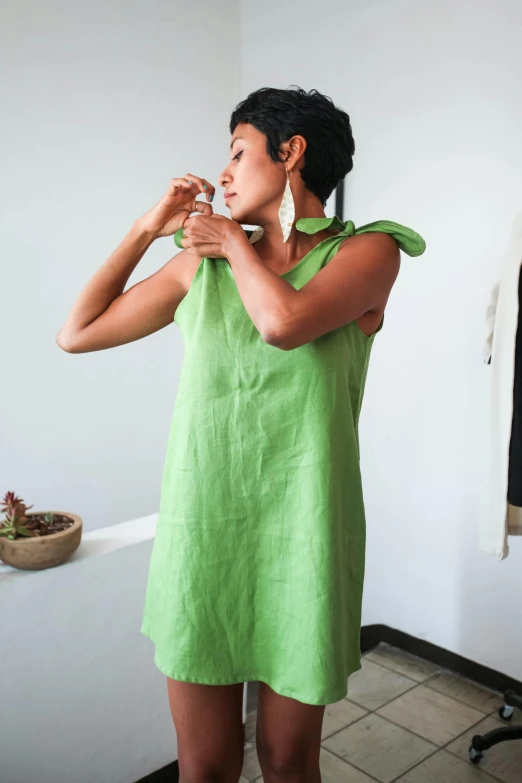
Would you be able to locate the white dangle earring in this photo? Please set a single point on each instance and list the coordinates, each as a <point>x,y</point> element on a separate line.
<point>287,210</point>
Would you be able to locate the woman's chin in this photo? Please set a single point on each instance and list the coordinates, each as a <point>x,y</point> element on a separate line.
<point>234,213</point>
<point>238,214</point>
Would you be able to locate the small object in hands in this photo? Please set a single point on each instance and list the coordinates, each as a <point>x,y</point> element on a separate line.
<point>178,236</point>
<point>253,238</point>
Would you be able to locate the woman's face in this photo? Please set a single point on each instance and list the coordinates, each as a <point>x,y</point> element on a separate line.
<point>256,181</point>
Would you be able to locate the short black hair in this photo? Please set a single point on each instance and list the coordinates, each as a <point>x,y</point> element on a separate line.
<point>283,113</point>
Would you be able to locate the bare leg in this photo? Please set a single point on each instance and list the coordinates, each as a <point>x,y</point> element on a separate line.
<point>209,727</point>
<point>288,738</point>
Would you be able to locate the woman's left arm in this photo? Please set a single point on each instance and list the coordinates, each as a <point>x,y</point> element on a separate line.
<point>356,280</point>
<point>266,296</point>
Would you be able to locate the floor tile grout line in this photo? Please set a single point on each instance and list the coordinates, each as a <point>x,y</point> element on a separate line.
<point>418,682</point>
<point>347,726</point>
<point>388,702</point>
<point>384,666</point>
<point>477,766</point>
<point>458,701</point>
<point>446,748</point>
<point>455,755</point>
<point>407,771</point>
<point>437,748</point>
<point>431,677</point>
<point>394,723</point>
<point>351,764</point>
<point>387,666</point>
<point>493,714</point>
<point>409,731</point>
<point>373,712</point>
<point>442,693</point>
<point>462,733</point>
<point>465,703</point>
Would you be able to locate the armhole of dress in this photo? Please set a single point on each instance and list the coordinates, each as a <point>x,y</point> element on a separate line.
<point>365,336</point>
<point>191,286</point>
<point>368,337</point>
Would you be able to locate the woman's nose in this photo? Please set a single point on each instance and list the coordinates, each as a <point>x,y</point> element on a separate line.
<point>223,179</point>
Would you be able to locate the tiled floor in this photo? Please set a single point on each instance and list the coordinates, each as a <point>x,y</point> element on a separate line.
<point>407,720</point>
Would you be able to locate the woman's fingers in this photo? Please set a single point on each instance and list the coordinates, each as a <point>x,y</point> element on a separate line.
<point>189,186</point>
<point>180,183</point>
<point>203,184</point>
<point>203,208</point>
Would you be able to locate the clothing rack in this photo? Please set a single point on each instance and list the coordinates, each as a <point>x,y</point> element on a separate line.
<point>481,743</point>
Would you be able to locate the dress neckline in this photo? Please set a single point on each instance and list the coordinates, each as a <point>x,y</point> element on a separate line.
<point>311,226</point>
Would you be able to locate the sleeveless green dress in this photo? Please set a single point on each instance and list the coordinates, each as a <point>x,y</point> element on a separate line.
<point>257,567</point>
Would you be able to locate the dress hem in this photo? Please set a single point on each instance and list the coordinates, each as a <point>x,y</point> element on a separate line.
<point>246,678</point>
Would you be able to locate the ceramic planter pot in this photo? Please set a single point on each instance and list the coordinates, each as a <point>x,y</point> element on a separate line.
<point>38,552</point>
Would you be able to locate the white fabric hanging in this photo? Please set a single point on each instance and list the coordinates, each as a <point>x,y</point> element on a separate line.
<point>498,518</point>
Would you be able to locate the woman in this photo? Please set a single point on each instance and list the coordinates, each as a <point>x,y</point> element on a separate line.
<point>258,562</point>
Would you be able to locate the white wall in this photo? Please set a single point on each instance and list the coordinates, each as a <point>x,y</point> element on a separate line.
<point>102,104</point>
<point>433,91</point>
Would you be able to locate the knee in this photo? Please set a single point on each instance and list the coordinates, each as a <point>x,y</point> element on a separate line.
<point>283,764</point>
<point>200,772</point>
<point>284,772</point>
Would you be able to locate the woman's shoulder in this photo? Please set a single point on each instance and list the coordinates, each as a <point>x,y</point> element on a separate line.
<point>412,243</point>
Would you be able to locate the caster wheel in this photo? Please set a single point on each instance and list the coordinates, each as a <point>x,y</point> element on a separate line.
<point>506,712</point>
<point>475,756</point>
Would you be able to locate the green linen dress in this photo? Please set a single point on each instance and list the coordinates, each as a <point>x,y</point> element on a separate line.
<point>257,567</point>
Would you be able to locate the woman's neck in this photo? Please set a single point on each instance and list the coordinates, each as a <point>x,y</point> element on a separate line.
<point>282,255</point>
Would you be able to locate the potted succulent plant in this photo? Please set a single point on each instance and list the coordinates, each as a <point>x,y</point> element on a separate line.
<point>41,539</point>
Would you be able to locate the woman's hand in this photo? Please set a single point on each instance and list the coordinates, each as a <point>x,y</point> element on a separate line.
<point>210,236</point>
<point>170,213</point>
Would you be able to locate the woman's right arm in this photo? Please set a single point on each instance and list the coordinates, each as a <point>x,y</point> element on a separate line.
<point>104,314</point>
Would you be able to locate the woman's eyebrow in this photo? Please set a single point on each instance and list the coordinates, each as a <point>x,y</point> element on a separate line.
<point>235,139</point>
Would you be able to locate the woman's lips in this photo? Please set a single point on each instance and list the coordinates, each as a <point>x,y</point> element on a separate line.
<point>229,195</point>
